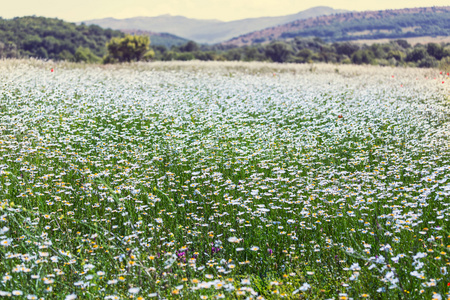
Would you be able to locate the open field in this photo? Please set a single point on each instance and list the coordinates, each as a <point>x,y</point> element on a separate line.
<point>223,180</point>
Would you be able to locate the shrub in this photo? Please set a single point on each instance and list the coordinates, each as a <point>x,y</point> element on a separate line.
<point>363,57</point>
<point>85,55</point>
<point>416,55</point>
<point>127,49</point>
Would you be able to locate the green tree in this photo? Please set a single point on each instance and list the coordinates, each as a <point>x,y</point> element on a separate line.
<point>185,56</point>
<point>327,54</point>
<point>127,49</point>
<point>428,62</point>
<point>253,53</point>
<point>85,55</point>
<point>278,51</point>
<point>378,51</point>
<point>435,50</point>
<point>403,43</point>
<point>66,55</point>
<point>190,46</point>
<point>51,38</point>
<point>416,55</point>
<point>149,55</point>
<point>42,53</point>
<point>169,55</point>
<point>303,55</point>
<point>346,48</point>
<point>205,55</point>
<point>233,54</point>
<point>363,57</point>
<point>397,55</point>
<point>11,50</point>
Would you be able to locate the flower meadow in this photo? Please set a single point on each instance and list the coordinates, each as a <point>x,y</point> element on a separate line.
<point>223,181</point>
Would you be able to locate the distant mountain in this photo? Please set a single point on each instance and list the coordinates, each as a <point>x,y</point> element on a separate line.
<point>207,31</point>
<point>159,38</point>
<point>399,23</point>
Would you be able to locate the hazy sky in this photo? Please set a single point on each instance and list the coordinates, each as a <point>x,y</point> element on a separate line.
<point>226,10</point>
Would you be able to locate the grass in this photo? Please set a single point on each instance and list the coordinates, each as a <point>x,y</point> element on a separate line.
<point>223,180</point>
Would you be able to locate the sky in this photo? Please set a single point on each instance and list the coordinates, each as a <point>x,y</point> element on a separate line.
<point>225,10</point>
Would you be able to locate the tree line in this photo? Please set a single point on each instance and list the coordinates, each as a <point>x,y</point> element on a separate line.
<point>48,38</point>
<point>310,50</point>
<point>58,40</point>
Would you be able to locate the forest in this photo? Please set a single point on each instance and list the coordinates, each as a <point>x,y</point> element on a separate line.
<point>402,26</point>
<point>310,50</point>
<point>46,38</point>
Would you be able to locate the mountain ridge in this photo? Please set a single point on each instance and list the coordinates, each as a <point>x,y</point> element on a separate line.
<point>158,38</point>
<point>306,26</point>
<point>206,30</point>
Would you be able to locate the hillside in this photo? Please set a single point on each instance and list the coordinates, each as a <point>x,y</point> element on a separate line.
<point>206,31</point>
<point>159,39</point>
<point>400,23</point>
<point>50,38</point>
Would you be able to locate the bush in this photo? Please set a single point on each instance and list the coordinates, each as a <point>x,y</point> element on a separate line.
<point>206,56</point>
<point>346,48</point>
<point>303,55</point>
<point>346,61</point>
<point>233,55</point>
<point>444,64</point>
<point>190,47</point>
<point>363,57</point>
<point>66,55</point>
<point>169,55</point>
<point>149,55</point>
<point>416,55</point>
<point>382,62</point>
<point>278,51</point>
<point>435,50</point>
<point>127,49</point>
<point>185,56</point>
<point>397,55</point>
<point>428,62</point>
<point>393,62</point>
<point>85,55</point>
<point>403,43</point>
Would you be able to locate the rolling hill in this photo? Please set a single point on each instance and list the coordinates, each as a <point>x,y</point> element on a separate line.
<point>206,31</point>
<point>159,38</point>
<point>400,23</point>
<point>51,38</point>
